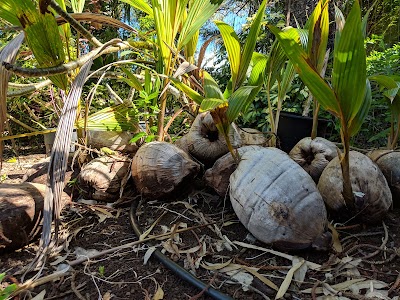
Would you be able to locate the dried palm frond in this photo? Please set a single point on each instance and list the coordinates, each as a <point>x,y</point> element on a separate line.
<point>116,118</point>
<point>8,53</point>
<point>57,169</point>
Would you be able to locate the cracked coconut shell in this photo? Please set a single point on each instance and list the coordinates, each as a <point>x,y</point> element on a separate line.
<point>313,155</point>
<point>276,200</point>
<point>158,168</point>
<point>206,143</point>
<point>372,197</point>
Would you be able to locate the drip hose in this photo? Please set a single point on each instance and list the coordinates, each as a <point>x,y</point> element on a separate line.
<point>174,267</point>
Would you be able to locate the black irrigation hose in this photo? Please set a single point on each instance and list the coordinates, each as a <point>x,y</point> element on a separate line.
<point>177,269</point>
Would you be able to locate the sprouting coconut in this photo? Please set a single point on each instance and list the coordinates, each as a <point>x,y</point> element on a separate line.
<point>217,177</point>
<point>372,197</point>
<point>277,201</point>
<point>101,178</point>
<point>206,143</point>
<point>158,168</point>
<point>313,155</point>
<point>389,163</point>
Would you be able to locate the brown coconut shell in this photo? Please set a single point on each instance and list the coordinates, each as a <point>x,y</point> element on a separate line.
<point>116,141</point>
<point>313,155</point>
<point>371,192</point>
<point>276,200</point>
<point>389,163</point>
<point>38,174</point>
<point>206,143</point>
<point>182,143</point>
<point>251,136</point>
<point>217,177</point>
<point>101,178</point>
<point>21,208</point>
<point>159,168</point>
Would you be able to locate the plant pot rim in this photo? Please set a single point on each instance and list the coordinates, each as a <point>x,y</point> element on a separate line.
<point>296,115</point>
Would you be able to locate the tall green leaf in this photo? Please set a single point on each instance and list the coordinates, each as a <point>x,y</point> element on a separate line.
<point>195,96</point>
<point>317,85</point>
<point>211,103</point>
<point>211,88</point>
<point>131,80</point>
<point>200,11</point>
<point>318,32</point>
<point>238,101</point>
<point>249,45</point>
<point>232,45</point>
<point>141,5</point>
<point>363,112</point>
<point>349,66</point>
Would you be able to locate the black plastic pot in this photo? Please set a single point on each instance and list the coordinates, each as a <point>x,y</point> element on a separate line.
<point>293,127</point>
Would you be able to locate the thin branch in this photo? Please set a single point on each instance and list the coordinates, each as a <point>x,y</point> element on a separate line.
<point>78,27</point>
<point>70,66</point>
<point>27,88</point>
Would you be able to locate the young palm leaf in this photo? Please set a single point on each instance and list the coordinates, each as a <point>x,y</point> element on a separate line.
<point>346,97</point>
<point>41,33</point>
<point>240,57</point>
<point>177,25</point>
<point>391,84</point>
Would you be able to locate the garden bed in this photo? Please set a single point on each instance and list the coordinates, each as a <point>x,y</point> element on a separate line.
<point>212,245</point>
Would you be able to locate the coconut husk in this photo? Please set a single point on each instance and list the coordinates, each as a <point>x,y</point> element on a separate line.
<point>313,155</point>
<point>116,141</point>
<point>160,168</point>
<point>251,136</point>
<point>38,174</point>
<point>205,142</point>
<point>102,177</point>
<point>389,163</point>
<point>21,211</point>
<point>182,143</point>
<point>372,195</point>
<point>217,177</point>
<point>276,200</point>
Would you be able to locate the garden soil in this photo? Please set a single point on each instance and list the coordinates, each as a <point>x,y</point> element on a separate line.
<point>201,233</point>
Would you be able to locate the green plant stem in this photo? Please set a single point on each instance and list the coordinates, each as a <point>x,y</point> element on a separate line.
<point>161,114</point>
<point>395,137</point>
<point>234,153</point>
<point>271,113</point>
<point>345,165</point>
<point>21,123</point>
<point>314,130</point>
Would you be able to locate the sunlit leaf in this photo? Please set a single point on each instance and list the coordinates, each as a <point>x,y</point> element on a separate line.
<point>318,31</point>
<point>317,85</point>
<point>140,5</point>
<point>200,11</point>
<point>132,80</point>
<point>232,45</point>
<point>211,88</point>
<point>349,66</point>
<point>192,94</point>
<point>211,103</point>
<point>238,101</point>
<point>249,46</point>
